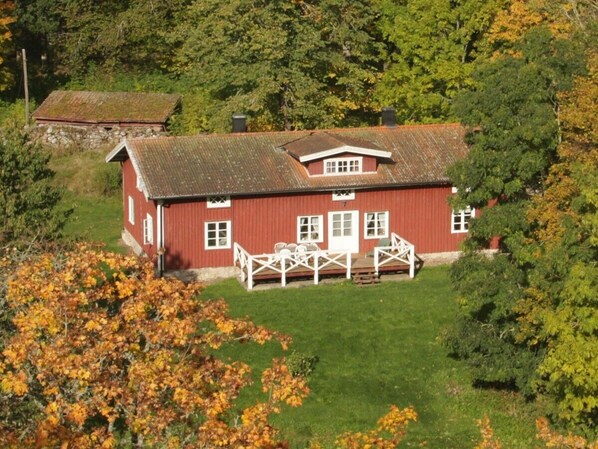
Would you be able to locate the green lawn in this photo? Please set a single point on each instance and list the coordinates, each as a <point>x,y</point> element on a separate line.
<point>95,217</point>
<point>376,346</point>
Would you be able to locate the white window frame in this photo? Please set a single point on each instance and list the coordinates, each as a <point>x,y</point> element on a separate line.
<point>343,195</point>
<point>138,183</point>
<point>207,231</point>
<point>342,166</point>
<point>319,219</point>
<point>218,201</point>
<point>465,216</point>
<point>148,230</point>
<point>131,209</point>
<point>376,219</point>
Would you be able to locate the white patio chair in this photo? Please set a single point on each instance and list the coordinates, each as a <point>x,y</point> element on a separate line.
<point>285,252</point>
<point>279,246</point>
<point>300,252</point>
<point>292,247</point>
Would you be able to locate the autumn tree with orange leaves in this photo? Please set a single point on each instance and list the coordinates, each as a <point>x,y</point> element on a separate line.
<point>103,350</point>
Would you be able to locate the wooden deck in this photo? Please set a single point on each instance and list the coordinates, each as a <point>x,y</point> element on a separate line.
<point>359,263</point>
<point>398,257</point>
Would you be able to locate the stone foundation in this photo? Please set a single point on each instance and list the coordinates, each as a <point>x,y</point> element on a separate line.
<point>88,137</point>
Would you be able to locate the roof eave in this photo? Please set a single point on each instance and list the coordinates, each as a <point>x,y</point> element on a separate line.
<point>305,190</point>
<point>120,153</point>
<point>346,149</point>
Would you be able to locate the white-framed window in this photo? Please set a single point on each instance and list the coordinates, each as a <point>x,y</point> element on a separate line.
<point>217,234</point>
<point>131,208</point>
<point>375,225</point>
<point>148,230</point>
<point>217,201</point>
<point>309,228</point>
<point>460,219</point>
<point>138,183</point>
<point>343,166</point>
<point>343,195</point>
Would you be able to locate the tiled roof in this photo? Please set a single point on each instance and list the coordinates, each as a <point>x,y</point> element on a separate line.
<point>256,163</point>
<point>106,107</point>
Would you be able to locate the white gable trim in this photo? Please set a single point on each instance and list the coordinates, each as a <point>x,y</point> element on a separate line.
<point>118,150</point>
<point>346,149</point>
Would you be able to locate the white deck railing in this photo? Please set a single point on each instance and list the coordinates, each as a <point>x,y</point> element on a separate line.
<point>314,261</point>
<point>400,250</point>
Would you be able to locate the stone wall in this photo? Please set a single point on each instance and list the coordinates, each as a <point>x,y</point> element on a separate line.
<point>88,137</point>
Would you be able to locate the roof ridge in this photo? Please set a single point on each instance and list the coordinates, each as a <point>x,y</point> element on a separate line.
<point>312,131</point>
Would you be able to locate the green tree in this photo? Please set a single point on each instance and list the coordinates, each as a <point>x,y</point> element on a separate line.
<point>288,64</point>
<point>79,35</point>
<point>432,48</point>
<point>513,112</point>
<point>560,308</point>
<point>29,202</point>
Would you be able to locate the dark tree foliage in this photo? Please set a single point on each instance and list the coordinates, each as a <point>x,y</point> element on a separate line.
<point>513,115</point>
<point>289,65</point>
<point>29,202</point>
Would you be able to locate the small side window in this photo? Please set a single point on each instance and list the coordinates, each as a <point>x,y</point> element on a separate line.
<point>131,203</point>
<point>217,201</point>
<point>148,230</point>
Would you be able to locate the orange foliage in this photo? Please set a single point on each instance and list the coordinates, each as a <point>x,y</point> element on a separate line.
<point>552,439</point>
<point>103,345</point>
<point>388,434</point>
<point>520,16</point>
<point>489,441</point>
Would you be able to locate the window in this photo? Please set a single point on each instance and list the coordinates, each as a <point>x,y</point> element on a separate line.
<point>309,228</point>
<point>131,210</point>
<point>343,195</point>
<point>217,234</point>
<point>138,183</point>
<point>342,166</point>
<point>460,219</point>
<point>218,201</point>
<point>148,230</point>
<point>376,225</point>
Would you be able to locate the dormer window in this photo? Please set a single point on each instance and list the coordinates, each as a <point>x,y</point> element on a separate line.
<point>343,166</point>
<point>218,201</point>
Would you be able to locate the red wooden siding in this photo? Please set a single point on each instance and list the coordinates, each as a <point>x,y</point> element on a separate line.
<point>142,208</point>
<point>421,215</point>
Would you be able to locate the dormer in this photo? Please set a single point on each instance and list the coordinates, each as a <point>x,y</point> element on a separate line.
<point>326,154</point>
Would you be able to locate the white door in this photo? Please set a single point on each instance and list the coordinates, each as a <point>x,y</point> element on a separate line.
<point>343,231</point>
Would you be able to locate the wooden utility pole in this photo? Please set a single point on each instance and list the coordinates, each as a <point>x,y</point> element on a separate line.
<point>26,87</point>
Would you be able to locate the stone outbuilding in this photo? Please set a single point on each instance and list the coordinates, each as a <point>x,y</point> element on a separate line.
<point>107,109</point>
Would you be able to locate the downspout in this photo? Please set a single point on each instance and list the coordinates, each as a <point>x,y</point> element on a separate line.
<point>160,237</point>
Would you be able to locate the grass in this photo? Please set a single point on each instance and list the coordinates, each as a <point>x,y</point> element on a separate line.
<point>376,346</point>
<point>95,217</point>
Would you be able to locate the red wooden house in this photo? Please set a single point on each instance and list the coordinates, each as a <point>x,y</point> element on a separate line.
<point>194,201</point>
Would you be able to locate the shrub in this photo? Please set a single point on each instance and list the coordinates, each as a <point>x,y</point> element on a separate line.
<point>107,180</point>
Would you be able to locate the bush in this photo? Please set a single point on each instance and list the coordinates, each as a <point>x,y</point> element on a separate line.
<point>107,180</point>
<point>301,365</point>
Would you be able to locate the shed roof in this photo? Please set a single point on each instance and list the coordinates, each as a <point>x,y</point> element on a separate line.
<point>106,107</point>
<point>256,163</point>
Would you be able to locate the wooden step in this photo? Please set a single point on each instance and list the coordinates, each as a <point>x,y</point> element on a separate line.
<point>365,277</point>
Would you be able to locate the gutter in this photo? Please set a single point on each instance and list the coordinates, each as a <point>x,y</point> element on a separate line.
<point>312,190</point>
